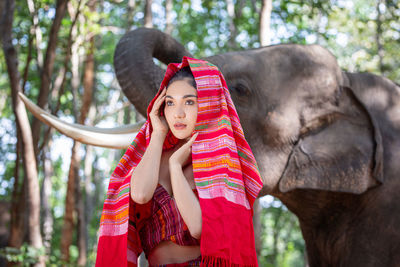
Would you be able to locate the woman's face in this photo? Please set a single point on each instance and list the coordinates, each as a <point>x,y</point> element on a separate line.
<point>181,108</point>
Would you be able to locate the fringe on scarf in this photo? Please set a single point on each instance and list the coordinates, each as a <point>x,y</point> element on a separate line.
<point>210,261</point>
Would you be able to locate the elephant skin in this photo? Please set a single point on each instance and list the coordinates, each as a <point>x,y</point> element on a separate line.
<point>327,142</point>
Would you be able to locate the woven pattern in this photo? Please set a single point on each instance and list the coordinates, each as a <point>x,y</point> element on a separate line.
<point>222,159</point>
<point>192,263</point>
<point>225,173</point>
<point>165,223</point>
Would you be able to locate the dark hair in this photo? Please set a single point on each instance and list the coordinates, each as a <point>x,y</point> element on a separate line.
<point>182,74</point>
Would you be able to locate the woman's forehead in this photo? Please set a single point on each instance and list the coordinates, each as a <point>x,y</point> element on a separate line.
<point>181,88</point>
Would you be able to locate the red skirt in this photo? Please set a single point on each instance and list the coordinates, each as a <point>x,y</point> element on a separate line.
<point>192,263</point>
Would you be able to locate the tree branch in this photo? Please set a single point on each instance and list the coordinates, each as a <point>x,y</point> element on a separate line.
<point>60,87</point>
<point>47,70</point>
<point>38,32</point>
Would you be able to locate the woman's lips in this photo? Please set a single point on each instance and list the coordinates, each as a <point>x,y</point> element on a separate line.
<point>179,126</point>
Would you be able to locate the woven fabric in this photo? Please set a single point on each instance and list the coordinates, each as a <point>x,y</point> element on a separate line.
<point>165,223</point>
<point>193,263</point>
<point>225,173</point>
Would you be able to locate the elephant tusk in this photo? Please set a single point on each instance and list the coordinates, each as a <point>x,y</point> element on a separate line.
<point>118,137</point>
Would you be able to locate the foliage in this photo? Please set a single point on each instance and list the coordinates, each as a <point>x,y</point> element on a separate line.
<point>26,255</point>
<point>282,243</point>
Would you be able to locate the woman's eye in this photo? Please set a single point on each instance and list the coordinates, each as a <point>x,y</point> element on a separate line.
<point>168,103</point>
<point>190,102</point>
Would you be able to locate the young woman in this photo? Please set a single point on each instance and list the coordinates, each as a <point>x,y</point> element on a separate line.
<point>171,171</point>
<point>183,192</point>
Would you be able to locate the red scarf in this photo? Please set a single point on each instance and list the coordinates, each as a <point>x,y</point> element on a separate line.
<point>225,173</point>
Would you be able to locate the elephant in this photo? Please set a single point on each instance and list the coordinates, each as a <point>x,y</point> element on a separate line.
<point>327,142</point>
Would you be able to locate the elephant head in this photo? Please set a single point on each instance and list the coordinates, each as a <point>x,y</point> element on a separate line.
<point>291,104</point>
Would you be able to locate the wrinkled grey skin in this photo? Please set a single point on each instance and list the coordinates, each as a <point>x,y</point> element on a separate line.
<point>327,142</point>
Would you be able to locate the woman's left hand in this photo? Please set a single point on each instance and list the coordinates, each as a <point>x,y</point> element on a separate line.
<point>180,156</point>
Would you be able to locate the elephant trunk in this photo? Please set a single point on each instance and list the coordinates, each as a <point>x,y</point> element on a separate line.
<point>136,72</point>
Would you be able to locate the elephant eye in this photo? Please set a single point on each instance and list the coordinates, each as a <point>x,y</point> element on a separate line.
<point>240,89</point>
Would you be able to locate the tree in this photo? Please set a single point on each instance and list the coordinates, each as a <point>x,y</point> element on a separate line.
<point>47,70</point>
<point>265,21</point>
<point>148,15</point>
<point>29,159</point>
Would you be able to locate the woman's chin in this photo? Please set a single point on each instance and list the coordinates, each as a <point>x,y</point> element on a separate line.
<point>181,136</point>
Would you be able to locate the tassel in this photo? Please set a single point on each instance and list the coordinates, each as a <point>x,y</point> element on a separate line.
<point>210,261</point>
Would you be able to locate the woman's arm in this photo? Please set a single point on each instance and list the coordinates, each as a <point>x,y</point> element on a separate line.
<point>188,204</point>
<point>144,178</point>
<point>186,200</point>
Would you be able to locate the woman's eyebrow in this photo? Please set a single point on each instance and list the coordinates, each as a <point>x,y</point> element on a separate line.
<point>185,96</point>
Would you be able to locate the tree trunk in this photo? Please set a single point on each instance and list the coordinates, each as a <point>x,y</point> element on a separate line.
<point>81,223</point>
<point>17,222</point>
<point>254,6</point>
<point>70,201</point>
<point>88,87</point>
<point>38,33</point>
<point>129,14</point>
<point>265,22</point>
<point>257,227</point>
<point>59,83</point>
<point>29,159</point>
<point>47,217</point>
<point>47,71</point>
<point>88,174</point>
<point>28,61</point>
<point>88,82</point>
<point>275,237</point>
<point>99,191</point>
<point>168,17</point>
<point>148,16</point>
<point>230,6</point>
<point>378,36</point>
<point>68,225</point>
<point>89,201</point>
<point>74,197</point>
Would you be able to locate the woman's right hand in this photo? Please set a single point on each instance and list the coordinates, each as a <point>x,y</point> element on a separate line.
<point>159,123</point>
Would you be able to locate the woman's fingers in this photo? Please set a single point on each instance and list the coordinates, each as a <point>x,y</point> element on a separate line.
<point>158,104</point>
<point>160,99</point>
<point>191,140</point>
<point>158,122</point>
<point>161,96</point>
<point>181,155</point>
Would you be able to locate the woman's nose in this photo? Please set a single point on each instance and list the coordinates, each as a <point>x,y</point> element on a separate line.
<point>180,113</point>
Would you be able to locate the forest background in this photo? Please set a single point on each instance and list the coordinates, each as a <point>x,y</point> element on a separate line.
<point>60,54</point>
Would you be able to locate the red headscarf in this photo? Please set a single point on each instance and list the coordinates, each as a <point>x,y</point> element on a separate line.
<point>225,173</point>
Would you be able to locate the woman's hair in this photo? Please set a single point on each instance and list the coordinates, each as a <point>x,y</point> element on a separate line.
<point>183,74</point>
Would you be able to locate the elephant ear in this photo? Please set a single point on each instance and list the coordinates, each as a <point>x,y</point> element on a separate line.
<point>345,155</point>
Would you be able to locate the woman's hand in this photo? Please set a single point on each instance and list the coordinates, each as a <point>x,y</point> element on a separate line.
<point>159,123</point>
<point>180,156</point>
